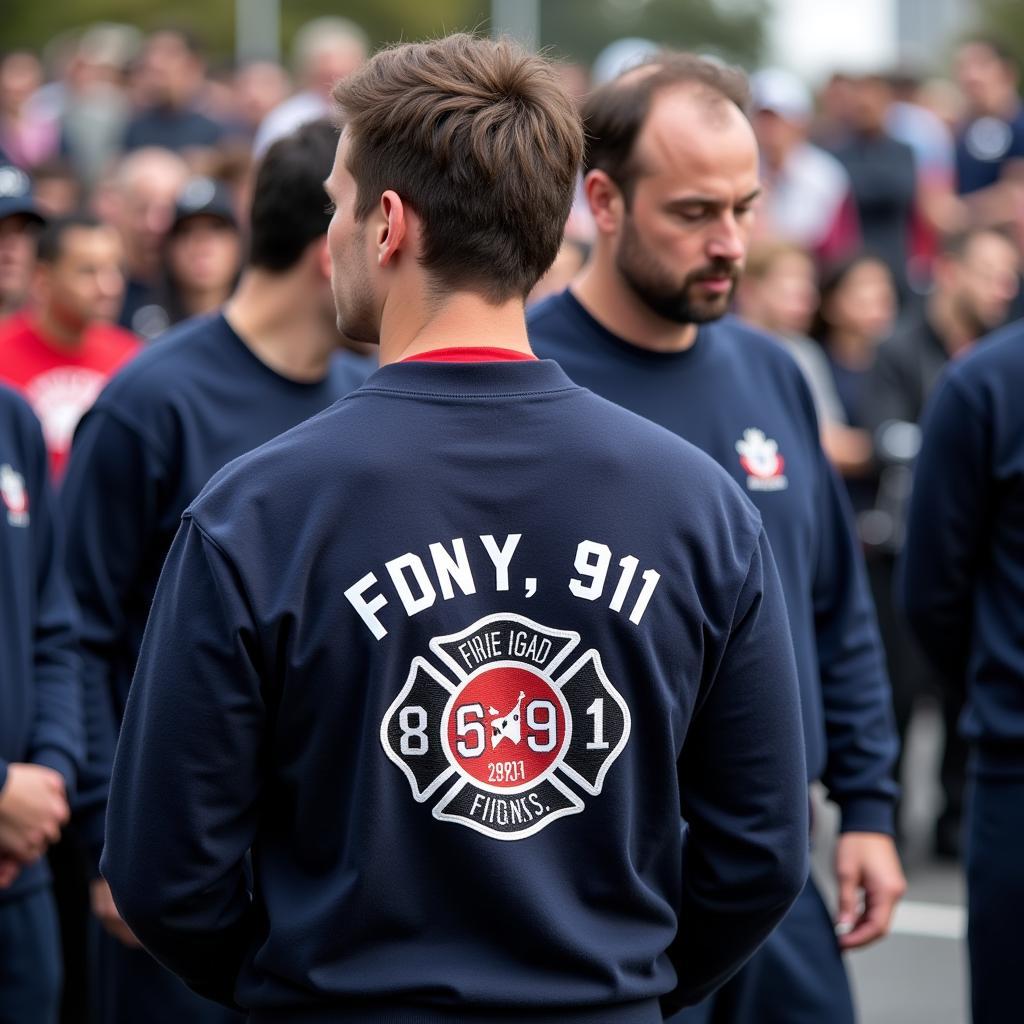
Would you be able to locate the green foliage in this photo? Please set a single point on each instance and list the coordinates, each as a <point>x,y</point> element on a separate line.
<point>577,29</point>
<point>1005,20</point>
<point>580,29</point>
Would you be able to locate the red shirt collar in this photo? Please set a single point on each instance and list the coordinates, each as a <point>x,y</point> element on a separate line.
<point>471,354</point>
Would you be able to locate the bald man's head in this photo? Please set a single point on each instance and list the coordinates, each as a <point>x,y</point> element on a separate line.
<point>146,184</point>
<point>615,113</point>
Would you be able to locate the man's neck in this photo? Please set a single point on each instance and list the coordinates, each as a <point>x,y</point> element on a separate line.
<point>850,349</point>
<point>59,331</point>
<point>1005,108</point>
<point>283,324</point>
<point>601,290</point>
<point>464,320</point>
<point>953,331</point>
<point>10,305</point>
<point>201,300</point>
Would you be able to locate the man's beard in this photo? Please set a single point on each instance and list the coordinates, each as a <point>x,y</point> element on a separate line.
<point>653,286</point>
<point>977,323</point>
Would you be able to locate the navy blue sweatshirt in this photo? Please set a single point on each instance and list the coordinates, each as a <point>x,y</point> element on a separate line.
<point>740,397</point>
<point>963,567</point>
<point>40,696</point>
<point>450,659</point>
<point>163,426</point>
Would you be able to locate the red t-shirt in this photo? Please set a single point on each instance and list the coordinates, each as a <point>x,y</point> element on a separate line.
<point>60,384</point>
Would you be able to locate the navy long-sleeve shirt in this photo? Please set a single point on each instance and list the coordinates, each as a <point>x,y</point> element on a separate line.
<point>739,396</point>
<point>162,427</point>
<point>963,567</point>
<point>450,659</point>
<point>40,695</point>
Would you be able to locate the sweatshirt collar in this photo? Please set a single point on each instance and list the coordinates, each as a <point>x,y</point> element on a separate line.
<point>491,379</point>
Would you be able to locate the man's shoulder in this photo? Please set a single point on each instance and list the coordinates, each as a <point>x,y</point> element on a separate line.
<point>14,329</point>
<point>553,320</point>
<point>287,473</point>
<point>287,469</point>
<point>751,348</point>
<point>997,360</point>
<point>20,430</point>
<point>159,371</point>
<point>14,409</point>
<point>665,458</point>
<point>113,343</point>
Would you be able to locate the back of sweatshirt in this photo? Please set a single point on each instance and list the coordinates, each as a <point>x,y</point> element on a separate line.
<point>963,564</point>
<point>450,659</point>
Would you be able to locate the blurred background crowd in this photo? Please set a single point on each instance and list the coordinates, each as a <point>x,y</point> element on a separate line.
<point>889,234</point>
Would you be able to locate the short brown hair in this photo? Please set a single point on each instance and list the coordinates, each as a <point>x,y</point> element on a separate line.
<point>615,112</point>
<point>482,141</point>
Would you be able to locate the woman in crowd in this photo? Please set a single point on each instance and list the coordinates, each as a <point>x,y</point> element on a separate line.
<point>856,311</point>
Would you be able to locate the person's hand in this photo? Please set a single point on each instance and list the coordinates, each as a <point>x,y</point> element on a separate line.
<point>9,870</point>
<point>33,807</point>
<point>871,883</point>
<point>103,907</point>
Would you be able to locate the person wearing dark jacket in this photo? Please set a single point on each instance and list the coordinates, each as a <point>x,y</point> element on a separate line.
<point>672,178</point>
<point>963,588</point>
<point>449,659</point>
<point>211,389</point>
<point>975,282</point>
<point>41,743</point>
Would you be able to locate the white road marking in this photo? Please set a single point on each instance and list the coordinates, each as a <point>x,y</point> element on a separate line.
<point>930,920</point>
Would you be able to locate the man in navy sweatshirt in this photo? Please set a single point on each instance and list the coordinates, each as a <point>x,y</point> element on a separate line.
<point>41,742</point>
<point>448,660</point>
<point>963,586</point>
<point>672,182</point>
<point>208,391</point>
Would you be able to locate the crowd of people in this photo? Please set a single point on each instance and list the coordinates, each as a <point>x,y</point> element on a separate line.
<point>167,304</point>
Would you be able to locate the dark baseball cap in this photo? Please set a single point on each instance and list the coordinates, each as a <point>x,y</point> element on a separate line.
<point>205,197</point>
<point>16,194</point>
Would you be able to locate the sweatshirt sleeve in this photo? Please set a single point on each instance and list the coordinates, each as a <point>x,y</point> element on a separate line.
<point>57,735</point>
<point>743,781</point>
<point>946,529</point>
<point>109,505</point>
<point>182,809</point>
<point>860,727</point>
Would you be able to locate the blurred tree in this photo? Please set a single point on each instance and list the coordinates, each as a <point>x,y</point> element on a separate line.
<point>31,23</point>
<point>1005,20</point>
<point>577,29</point>
<point>731,29</point>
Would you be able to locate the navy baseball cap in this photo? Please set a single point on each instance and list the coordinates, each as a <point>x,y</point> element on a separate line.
<point>204,197</point>
<point>16,194</point>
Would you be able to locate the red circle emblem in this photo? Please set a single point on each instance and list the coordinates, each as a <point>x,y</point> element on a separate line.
<point>506,728</point>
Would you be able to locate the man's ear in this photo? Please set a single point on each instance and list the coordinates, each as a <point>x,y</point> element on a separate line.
<point>392,229</point>
<point>606,201</point>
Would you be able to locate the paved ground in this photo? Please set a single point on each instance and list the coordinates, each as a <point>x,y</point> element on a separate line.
<point>919,974</point>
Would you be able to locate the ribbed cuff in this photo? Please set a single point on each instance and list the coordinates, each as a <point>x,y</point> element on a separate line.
<point>59,761</point>
<point>868,814</point>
